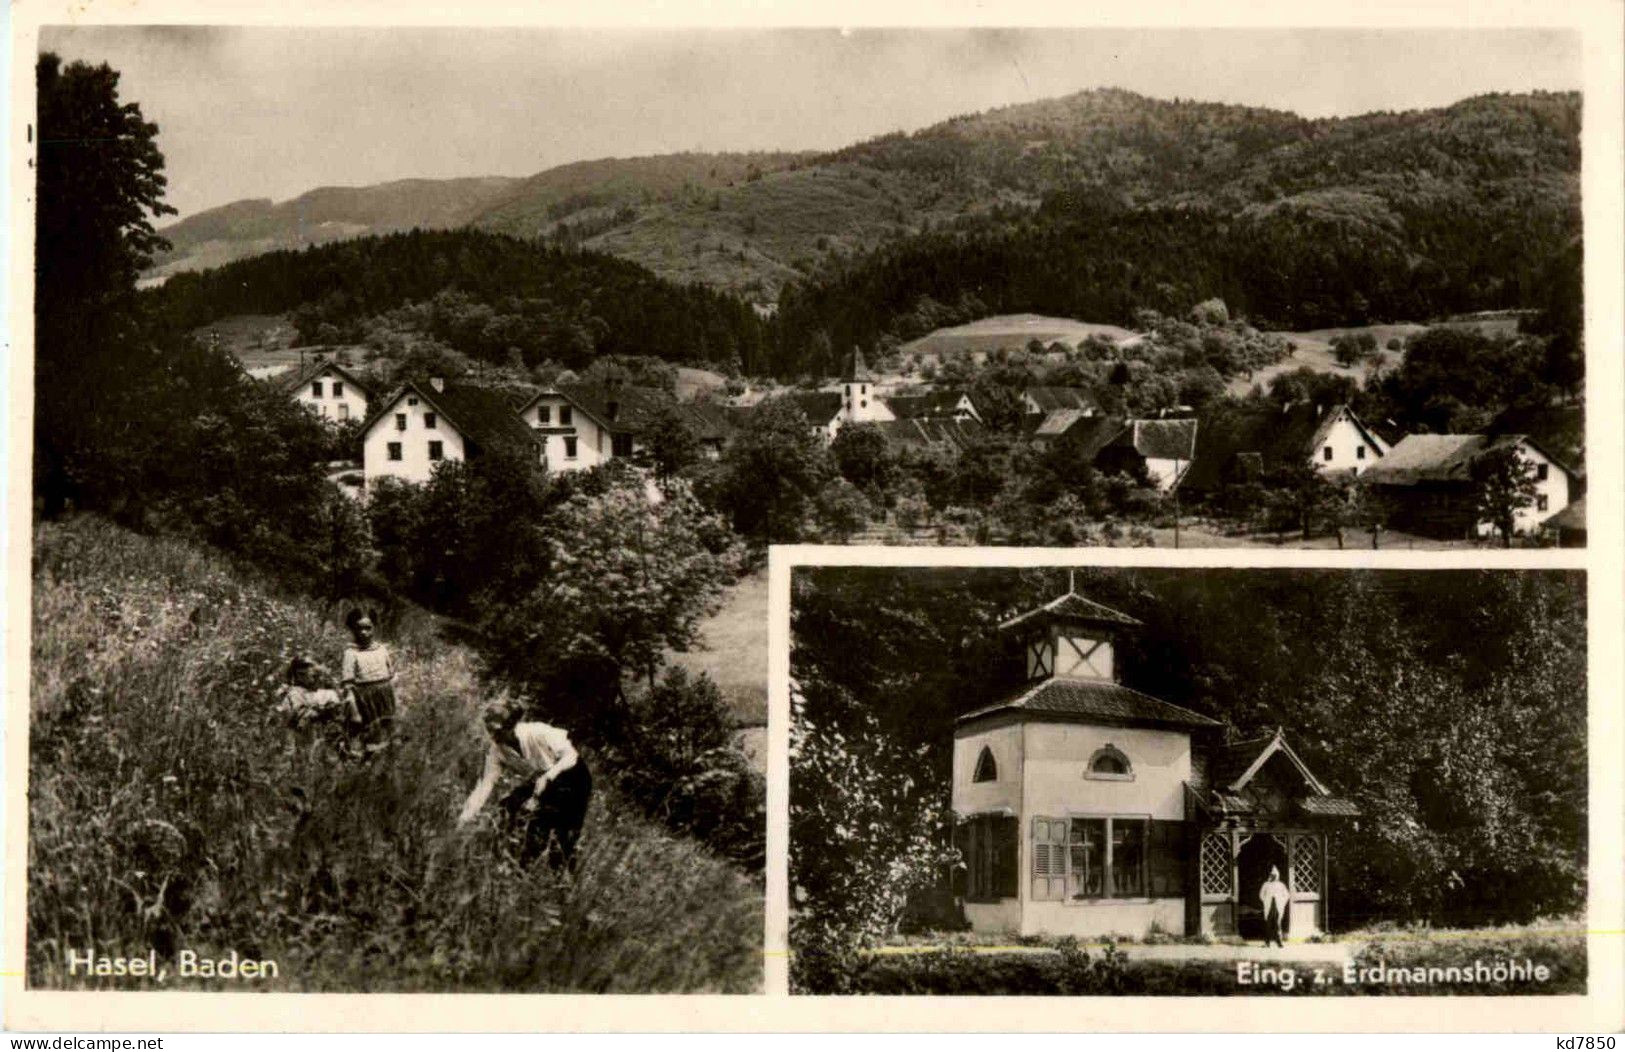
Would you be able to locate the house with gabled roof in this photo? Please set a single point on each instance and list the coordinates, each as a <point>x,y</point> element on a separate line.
<point>328,389</point>
<point>424,423</point>
<point>1242,445</point>
<point>937,404</point>
<point>1162,449</point>
<point>1428,483</point>
<point>1085,807</point>
<point>584,425</point>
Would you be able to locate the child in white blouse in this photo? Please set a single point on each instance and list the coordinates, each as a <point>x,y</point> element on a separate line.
<point>367,678</point>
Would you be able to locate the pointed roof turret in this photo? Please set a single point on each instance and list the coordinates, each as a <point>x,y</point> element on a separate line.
<point>856,370</point>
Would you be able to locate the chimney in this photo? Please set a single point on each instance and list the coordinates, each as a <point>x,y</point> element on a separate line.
<point>614,409</point>
<point>438,383</point>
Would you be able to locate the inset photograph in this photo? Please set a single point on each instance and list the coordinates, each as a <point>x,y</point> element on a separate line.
<point>1187,781</point>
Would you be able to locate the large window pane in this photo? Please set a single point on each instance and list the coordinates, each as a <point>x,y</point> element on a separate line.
<point>1128,858</point>
<point>1087,862</point>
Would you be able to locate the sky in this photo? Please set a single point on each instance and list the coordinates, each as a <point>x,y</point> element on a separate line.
<point>274,112</point>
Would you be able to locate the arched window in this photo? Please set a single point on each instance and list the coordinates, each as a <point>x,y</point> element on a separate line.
<point>1109,762</point>
<point>986,769</point>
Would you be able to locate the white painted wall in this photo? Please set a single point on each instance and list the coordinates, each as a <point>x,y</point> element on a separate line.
<point>1054,786</point>
<point>414,465</point>
<point>1350,450</point>
<point>1057,756</point>
<point>592,441</point>
<point>1554,488</point>
<point>861,405</point>
<point>969,798</point>
<point>350,405</point>
<point>1165,473</point>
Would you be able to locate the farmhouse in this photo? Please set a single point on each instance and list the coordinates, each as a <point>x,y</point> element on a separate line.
<point>424,423</point>
<point>1086,808</point>
<point>1428,482</point>
<point>1162,449</point>
<point>329,389</point>
<point>1243,445</point>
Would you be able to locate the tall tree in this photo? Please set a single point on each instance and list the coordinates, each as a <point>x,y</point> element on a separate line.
<point>100,185</point>
<point>1505,484</point>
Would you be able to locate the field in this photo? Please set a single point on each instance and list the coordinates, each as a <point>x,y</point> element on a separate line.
<point>1010,332</point>
<point>733,652</point>
<point>170,810</point>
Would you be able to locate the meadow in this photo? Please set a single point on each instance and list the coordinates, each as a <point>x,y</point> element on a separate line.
<point>169,808</point>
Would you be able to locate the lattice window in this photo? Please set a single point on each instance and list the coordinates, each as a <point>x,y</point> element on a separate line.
<point>1306,864</point>
<point>1216,864</point>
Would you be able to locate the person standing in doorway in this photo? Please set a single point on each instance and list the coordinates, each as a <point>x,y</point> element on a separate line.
<point>1273,896</point>
<point>550,801</point>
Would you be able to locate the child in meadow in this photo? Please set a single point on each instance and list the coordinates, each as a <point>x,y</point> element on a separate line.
<point>367,678</point>
<point>304,702</point>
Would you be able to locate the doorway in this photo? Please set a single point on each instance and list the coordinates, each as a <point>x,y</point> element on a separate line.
<point>1258,854</point>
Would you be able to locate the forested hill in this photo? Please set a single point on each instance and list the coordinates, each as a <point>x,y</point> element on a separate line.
<point>489,296</point>
<point>329,213</point>
<point>752,223</point>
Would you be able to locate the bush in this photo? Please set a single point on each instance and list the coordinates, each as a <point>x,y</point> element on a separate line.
<point>677,760</point>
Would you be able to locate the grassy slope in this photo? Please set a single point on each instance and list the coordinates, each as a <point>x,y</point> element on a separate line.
<point>735,650</point>
<point>169,809</point>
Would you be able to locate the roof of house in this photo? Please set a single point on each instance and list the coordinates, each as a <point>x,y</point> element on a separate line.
<point>1162,439</point>
<point>1073,607</point>
<point>1092,700</point>
<point>1443,458</point>
<point>485,416</point>
<point>931,403</point>
<point>1057,422</point>
<point>1236,764</point>
<point>621,408</point>
<point>1234,767</point>
<point>291,380</point>
<point>709,422</point>
<point>819,407</point>
<point>920,433</point>
<point>1050,398</point>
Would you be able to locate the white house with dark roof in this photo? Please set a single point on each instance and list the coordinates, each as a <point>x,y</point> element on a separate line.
<point>1084,807</point>
<point>328,389</point>
<point>422,424</point>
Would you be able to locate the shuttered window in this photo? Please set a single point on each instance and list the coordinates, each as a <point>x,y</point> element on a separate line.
<point>1049,859</point>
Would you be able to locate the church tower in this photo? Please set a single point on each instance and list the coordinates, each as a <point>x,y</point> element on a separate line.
<point>859,403</point>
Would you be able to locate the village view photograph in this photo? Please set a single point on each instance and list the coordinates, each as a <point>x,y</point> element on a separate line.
<point>1187,782</point>
<point>414,410</point>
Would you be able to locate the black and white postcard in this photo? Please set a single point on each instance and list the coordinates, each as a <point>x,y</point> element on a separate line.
<point>738,506</point>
